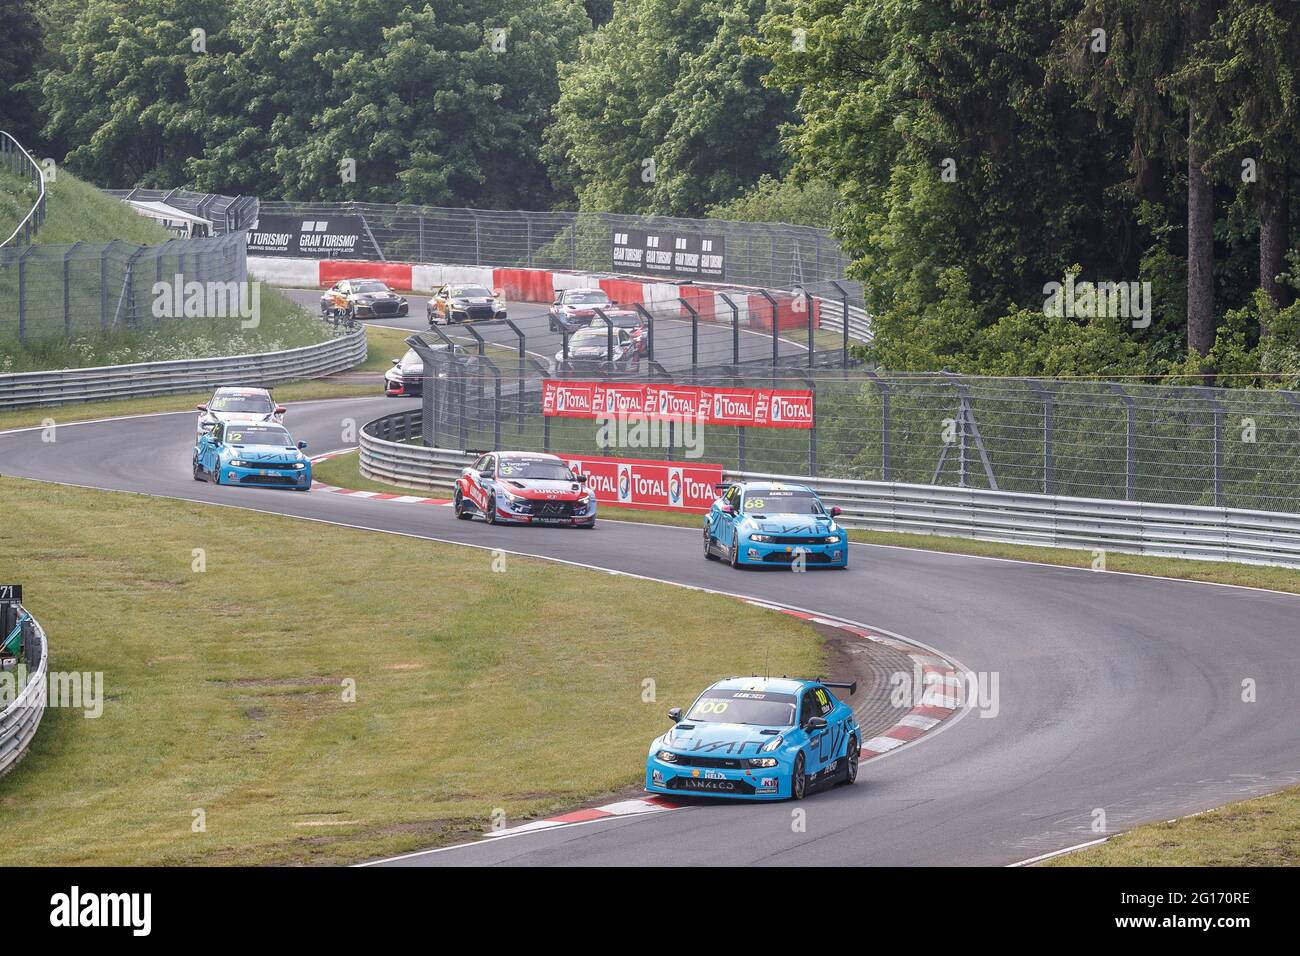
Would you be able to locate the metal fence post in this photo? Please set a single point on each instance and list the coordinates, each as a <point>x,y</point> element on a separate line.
<point>776,348</point>
<point>886,453</point>
<point>103,287</point>
<point>650,329</point>
<point>735,327</point>
<point>844,306</point>
<point>1218,412</point>
<point>1045,396</point>
<point>1130,439</point>
<point>67,294</point>
<point>695,332</point>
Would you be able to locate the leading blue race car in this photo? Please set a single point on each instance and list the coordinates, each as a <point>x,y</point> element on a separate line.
<point>771,523</point>
<point>758,738</point>
<point>254,453</point>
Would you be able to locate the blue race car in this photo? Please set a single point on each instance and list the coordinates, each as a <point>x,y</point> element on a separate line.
<point>758,738</point>
<point>254,453</point>
<point>769,523</point>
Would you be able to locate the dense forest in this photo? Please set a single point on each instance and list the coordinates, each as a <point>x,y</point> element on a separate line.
<point>975,157</point>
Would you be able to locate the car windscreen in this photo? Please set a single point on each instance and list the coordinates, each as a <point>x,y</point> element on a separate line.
<point>374,286</point>
<point>744,707</point>
<point>625,320</point>
<point>596,336</point>
<point>586,298</point>
<point>470,292</point>
<point>782,503</point>
<point>537,469</point>
<point>241,403</point>
<point>257,435</point>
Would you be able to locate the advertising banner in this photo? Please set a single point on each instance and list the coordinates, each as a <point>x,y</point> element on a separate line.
<point>662,252</point>
<point>653,485</point>
<point>744,407</point>
<point>326,238</point>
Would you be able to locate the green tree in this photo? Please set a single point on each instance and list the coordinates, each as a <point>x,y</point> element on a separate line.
<point>785,200</point>
<point>21,47</point>
<point>119,94</point>
<point>663,110</point>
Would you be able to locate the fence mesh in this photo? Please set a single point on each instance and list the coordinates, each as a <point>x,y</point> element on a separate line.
<point>1232,448</point>
<point>773,255</point>
<point>65,291</point>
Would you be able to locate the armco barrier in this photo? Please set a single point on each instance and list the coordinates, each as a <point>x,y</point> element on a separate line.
<point>1211,534</point>
<point>67,386</point>
<point>19,720</point>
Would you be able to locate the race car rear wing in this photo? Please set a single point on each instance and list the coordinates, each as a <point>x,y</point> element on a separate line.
<point>851,686</point>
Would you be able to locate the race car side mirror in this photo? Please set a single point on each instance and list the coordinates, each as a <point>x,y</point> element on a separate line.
<point>675,715</point>
<point>397,361</point>
<point>580,479</point>
<point>280,409</point>
<point>202,408</point>
<point>726,509</point>
<point>836,511</point>
<point>815,723</point>
<point>302,446</point>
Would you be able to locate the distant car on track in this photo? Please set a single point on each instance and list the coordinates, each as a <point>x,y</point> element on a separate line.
<point>519,487</point>
<point>364,299</point>
<point>771,523</point>
<point>758,738</point>
<point>589,351</point>
<point>464,303</point>
<point>574,308</point>
<point>406,377</point>
<point>233,404</point>
<point>258,453</point>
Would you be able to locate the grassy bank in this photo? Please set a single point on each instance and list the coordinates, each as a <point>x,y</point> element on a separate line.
<point>345,473</point>
<point>226,688</point>
<point>1260,832</point>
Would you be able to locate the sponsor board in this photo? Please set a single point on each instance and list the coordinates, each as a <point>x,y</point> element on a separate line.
<point>324,238</point>
<point>653,485</point>
<point>666,253</point>
<point>745,407</point>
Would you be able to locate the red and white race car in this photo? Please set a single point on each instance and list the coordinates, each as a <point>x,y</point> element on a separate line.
<point>524,487</point>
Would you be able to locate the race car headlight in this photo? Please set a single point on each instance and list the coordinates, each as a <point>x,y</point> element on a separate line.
<point>762,761</point>
<point>667,756</point>
<point>763,538</point>
<point>300,464</point>
<point>831,539</point>
<point>236,463</point>
<point>771,745</point>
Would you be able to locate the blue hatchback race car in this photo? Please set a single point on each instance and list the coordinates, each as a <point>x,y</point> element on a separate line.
<point>256,453</point>
<point>770,523</point>
<point>758,738</point>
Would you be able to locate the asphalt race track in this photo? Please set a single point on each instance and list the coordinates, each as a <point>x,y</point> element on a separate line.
<point>1117,692</point>
<point>672,338</point>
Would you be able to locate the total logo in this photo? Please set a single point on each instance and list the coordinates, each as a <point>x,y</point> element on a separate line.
<point>572,400</point>
<point>677,404</point>
<point>674,486</point>
<point>624,482</point>
<point>787,410</point>
<point>727,406</point>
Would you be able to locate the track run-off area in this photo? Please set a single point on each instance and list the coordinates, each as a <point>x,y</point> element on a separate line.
<point>1116,692</point>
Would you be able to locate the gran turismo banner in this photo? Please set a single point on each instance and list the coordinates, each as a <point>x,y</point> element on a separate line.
<point>743,407</point>
<point>661,252</point>
<point>654,485</point>
<point>327,237</point>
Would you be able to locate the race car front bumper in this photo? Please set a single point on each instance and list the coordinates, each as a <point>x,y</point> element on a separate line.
<point>823,555</point>
<point>533,511</point>
<point>750,783</point>
<point>265,477</point>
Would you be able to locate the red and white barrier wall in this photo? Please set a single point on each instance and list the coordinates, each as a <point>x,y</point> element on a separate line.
<point>540,285</point>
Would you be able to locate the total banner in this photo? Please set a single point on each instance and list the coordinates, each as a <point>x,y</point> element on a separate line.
<point>654,485</point>
<point>746,407</point>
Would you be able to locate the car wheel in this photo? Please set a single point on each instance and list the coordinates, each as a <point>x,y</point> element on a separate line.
<point>733,556</point>
<point>458,505</point>
<point>851,761</point>
<point>798,779</point>
<point>198,472</point>
<point>491,515</point>
<point>708,546</point>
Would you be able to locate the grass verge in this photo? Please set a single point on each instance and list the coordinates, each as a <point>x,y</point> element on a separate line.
<point>344,472</point>
<point>1264,831</point>
<point>226,689</point>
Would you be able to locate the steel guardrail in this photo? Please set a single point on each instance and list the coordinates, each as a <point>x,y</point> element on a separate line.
<point>10,147</point>
<point>20,719</point>
<point>77,385</point>
<point>1130,527</point>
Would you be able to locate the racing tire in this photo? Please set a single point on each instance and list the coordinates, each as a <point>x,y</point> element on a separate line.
<point>458,506</point>
<point>851,756</point>
<point>708,547</point>
<point>198,472</point>
<point>490,516</point>
<point>733,556</point>
<point>798,779</point>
